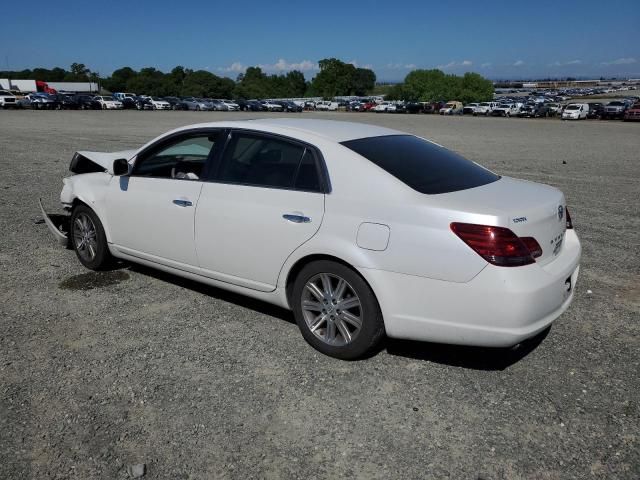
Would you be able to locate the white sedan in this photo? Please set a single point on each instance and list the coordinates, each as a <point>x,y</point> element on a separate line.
<point>362,231</point>
<point>108,103</point>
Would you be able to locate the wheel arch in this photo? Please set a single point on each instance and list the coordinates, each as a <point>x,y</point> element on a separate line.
<point>302,262</point>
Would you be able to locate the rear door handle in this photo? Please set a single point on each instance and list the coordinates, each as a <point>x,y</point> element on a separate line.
<point>296,218</point>
<point>182,202</point>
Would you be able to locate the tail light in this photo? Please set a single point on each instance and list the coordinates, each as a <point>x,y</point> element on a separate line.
<point>533,246</point>
<point>498,245</point>
<point>569,222</point>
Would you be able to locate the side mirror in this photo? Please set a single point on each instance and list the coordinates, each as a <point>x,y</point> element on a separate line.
<point>120,167</point>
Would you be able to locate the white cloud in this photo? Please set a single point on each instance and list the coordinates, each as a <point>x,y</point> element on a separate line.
<point>562,64</point>
<point>280,66</point>
<point>486,65</point>
<point>358,65</point>
<point>400,66</point>
<point>283,66</point>
<point>235,67</point>
<point>621,61</point>
<point>454,64</point>
<point>518,63</point>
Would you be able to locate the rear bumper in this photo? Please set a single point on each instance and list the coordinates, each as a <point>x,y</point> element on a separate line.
<point>500,307</point>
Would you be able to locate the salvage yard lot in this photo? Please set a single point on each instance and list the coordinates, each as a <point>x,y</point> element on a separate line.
<point>98,372</point>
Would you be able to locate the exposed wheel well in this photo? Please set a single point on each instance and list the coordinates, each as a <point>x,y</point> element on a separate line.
<point>300,264</point>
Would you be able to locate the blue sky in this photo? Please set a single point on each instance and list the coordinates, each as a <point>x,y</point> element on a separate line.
<point>497,39</point>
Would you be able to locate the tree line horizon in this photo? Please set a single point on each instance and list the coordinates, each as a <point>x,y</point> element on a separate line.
<point>335,78</point>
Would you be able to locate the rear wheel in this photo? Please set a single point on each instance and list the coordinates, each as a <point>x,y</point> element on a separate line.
<point>88,239</point>
<point>336,311</point>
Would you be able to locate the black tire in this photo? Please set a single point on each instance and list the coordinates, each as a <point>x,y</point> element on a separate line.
<point>372,329</point>
<point>102,258</point>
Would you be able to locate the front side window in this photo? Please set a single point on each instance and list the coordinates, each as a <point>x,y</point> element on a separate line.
<point>183,159</point>
<point>269,162</point>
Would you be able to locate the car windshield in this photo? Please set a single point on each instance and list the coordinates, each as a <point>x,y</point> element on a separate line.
<point>4,92</point>
<point>616,104</point>
<point>572,107</point>
<point>424,166</point>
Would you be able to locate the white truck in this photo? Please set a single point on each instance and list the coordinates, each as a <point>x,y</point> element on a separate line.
<point>485,108</point>
<point>8,99</point>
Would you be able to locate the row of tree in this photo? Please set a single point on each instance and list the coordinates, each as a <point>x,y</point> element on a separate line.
<point>335,78</point>
<point>435,85</point>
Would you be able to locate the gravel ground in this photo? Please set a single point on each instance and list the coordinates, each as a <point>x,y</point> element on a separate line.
<point>102,373</point>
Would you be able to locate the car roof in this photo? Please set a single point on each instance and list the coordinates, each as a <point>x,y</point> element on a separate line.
<point>337,131</point>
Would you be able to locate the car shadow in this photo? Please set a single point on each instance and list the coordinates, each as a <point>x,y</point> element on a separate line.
<point>473,358</point>
<point>217,293</point>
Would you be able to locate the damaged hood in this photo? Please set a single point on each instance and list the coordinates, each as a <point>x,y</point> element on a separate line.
<point>104,160</point>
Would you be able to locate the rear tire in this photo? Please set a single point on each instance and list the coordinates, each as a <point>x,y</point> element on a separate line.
<point>341,316</point>
<point>89,240</point>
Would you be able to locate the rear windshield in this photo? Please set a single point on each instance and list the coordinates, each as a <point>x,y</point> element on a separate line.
<point>424,166</point>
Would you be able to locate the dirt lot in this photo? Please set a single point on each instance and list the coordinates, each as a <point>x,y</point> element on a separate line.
<point>101,372</point>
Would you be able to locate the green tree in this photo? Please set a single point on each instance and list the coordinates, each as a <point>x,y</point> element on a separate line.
<point>363,81</point>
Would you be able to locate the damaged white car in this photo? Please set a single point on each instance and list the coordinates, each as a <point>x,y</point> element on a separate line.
<point>362,231</point>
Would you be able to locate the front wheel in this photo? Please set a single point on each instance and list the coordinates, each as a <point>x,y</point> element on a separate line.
<point>89,240</point>
<point>336,310</point>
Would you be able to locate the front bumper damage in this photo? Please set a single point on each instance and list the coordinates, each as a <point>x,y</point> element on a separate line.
<point>57,225</point>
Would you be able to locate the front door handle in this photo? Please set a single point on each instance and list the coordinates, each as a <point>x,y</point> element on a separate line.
<point>296,218</point>
<point>182,202</point>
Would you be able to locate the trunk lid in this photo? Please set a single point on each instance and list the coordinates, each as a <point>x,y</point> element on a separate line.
<point>528,209</point>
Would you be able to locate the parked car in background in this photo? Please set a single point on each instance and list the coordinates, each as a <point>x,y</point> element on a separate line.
<point>289,106</point>
<point>158,103</point>
<point>231,106</point>
<point>271,106</point>
<point>41,101</point>
<point>121,96</point>
<point>533,110</point>
<point>554,109</point>
<point>24,102</point>
<point>632,114</point>
<point>470,109</point>
<point>108,103</point>
<point>193,103</point>
<point>614,109</point>
<point>485,108</point>
<point>65,102</point>
<point>595,110</point>
<point>216,105</point>
<point>87,102</point>
<point>575,111</point>
<point>414,107</point>
<point>382,107</point>
<point>8,99</point>
<point>173,102</point>
<point>327,106</point>
<point>506,110</point>
<point>452,108</point>
<point>290,217</point>
<point>254,106</point>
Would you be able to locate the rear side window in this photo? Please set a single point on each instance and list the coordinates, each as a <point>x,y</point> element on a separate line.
<point>423,166</point>
<point>269,162</point>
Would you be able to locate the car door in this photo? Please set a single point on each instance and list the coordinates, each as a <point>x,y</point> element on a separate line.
<point>151,211</point>
<point>265,199</point>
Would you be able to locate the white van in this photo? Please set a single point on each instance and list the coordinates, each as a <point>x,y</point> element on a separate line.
<point>328,106</point>
<point>575,111</point>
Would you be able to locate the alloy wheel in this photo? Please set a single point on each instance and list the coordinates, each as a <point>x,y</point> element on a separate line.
<point>332,309</point>
<point>85,237</point>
